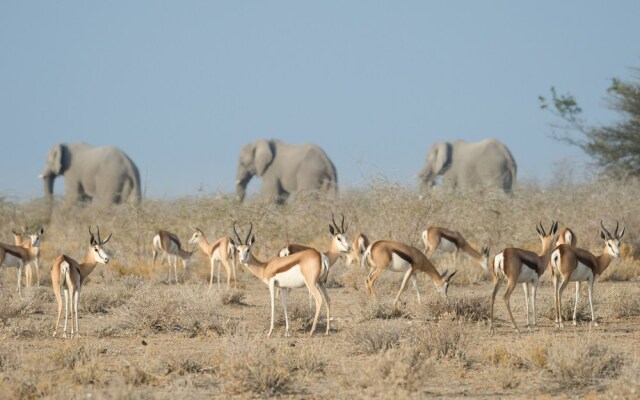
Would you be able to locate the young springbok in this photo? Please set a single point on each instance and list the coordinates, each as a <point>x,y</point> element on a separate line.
<point>399,257</point>
<point>26,252</point>
<point>219,252</point>
<point>294,271</point>
<point>68,275</point>
<point>451,241</point>
<point>570,263</point>
<point>522,266</point>
<point>169,245</point>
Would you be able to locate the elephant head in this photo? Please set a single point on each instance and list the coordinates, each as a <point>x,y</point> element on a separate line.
<point>57,162</point>
<point>255,159</point>
<point>438,160</point>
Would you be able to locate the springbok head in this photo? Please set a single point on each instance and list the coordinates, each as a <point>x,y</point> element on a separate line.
<point>612,242</point>
<point>97,246</point>
<point>338,233</point>
<point>243,248</point>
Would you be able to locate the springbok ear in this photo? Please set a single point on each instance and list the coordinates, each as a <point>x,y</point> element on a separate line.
<point>332,230</point>
<point>603,236</point>
<point>42,230</point>
<point>92,241</point>
<point>233,242</point>
<point>252,240</point>
<point>622,232</point>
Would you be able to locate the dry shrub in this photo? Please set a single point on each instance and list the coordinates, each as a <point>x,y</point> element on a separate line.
<point>568,303</point>
<point>581,364</point>
<point>306,360</point>
<point>374,338</point>
<point>527,358</point>
<point>255,367</point>
<point>625,304</point>
<point>627,386</point>
<point>395,373</point>
<point>462,308</point>
<point>443,340</point>
<point>32,301</point>
<point>370,309</point>
<point>231,297</point>
<point>353,277</point>
<point>98,299</point>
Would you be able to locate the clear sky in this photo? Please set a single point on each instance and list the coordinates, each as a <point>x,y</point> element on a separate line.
<point>180,86</point>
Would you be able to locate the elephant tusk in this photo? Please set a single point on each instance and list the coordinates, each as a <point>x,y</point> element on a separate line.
<point>238,181</point>
<point>41,176</point>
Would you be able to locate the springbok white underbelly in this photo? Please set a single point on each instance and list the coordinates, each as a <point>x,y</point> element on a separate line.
<point>581,273</point>
<point>527,274</point>
<point>11,261</point>
<point>291,278</point>
<point>397,264</point>
<point>447,246</point>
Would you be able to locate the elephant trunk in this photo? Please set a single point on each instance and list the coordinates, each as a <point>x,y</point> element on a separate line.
<point>241,185</point>
<point>48,186</point>
<point>427,179</point>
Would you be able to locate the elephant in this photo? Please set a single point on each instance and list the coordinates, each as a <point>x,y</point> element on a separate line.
<point>103,175</point>
<point>285,169</point>
<point>470,165</point>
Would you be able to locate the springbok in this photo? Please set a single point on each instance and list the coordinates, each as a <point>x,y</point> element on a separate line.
<point>219,252</point>
<point>68,275</point>
<point>27,252</point>
<point>169,245</point>
<point>358,247</point>
<point>294,271</point>
<point>448,240</point>
<point>570,263</point>
<point>400,257</point>
<point>522,266</point>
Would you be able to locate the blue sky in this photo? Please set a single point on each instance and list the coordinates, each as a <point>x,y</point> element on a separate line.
<point>181,86</point>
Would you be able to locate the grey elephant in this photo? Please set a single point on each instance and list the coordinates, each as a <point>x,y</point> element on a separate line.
<point>103,175</point>
<point>487,164</point>
<point>285,169</point>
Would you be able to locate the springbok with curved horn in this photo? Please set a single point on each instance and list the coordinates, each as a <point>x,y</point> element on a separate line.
<point>294,271</point>
<point>570,263</point>
<point>399,257</point>
<point>169,245</point>
<point>68,275</point>
<point>26,252</point>
<point>339,245</point>
<point>219,252</point>
<point>448,240</point>
<point>522,266</point>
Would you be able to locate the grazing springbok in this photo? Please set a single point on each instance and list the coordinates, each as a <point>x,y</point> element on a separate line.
<point>219,252</point>
<point>68,275</point>
<point>570,263</point>
<point>169,245</point>
<point>400,257</point>
<point>294,271</point>
<point>522,266</point>
<point>26,252</point>
<point>360,244</point>
<point>451,241</point>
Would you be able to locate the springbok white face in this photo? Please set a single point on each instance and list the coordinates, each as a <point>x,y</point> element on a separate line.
<point>243,248</point>
<point>338,233</point>
<point>35,237</point>
<point>612,242</point>
<point>97,247</point>
<point>195,238</point>
<point>445,286</point>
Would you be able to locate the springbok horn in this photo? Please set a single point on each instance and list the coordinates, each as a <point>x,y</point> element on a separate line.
<point>236,232</point>
<point>334,222</point>
<point>246,241</point>
<point>616,231</point>
<point>605,230</point>
<point>342,223</point>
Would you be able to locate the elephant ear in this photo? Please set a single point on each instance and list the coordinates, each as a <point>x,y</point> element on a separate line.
<point>442,157</point>
<point>55,158</point>
<point>263,156</point>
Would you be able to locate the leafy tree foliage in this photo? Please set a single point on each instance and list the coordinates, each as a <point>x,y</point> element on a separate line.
<point>616,147</point>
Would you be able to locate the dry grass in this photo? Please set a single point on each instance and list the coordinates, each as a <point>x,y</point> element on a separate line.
<point>143,336</point>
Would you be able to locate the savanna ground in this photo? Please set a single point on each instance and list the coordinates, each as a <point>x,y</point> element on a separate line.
<point>144,337</point>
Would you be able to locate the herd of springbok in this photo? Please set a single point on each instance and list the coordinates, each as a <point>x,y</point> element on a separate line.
<point>297,266</point>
